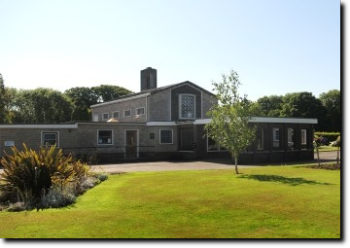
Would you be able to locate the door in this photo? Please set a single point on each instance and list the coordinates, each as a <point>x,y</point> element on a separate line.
<point>186,139</point>
<point>131,141</point>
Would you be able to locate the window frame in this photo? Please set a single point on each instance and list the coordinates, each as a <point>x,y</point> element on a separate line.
<point>103,116</point>
<point>98,137</point>
<point>127,110</point>
<point>303,137</point>
<point>275,136</point>
<point>181,96</point>
<point>57,139</point>
<point>160,137</point>
<point>116,112</point>
<point>290,138</point>
<point>144,111</point>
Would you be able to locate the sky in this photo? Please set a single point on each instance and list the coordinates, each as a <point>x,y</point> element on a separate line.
<point>276,46</point>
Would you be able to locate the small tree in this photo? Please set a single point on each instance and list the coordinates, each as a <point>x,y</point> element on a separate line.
<point>230,115</point>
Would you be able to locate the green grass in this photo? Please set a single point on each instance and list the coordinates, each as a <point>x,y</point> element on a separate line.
<point>262,202</point>
<point>327,149</point>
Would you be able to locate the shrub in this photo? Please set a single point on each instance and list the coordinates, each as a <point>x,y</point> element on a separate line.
<point>58,197</point>
<point>331,136</point>
<point>331,166</point>
<point>45,178</point>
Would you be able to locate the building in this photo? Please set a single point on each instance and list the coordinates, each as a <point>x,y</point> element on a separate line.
<point>163,123</point>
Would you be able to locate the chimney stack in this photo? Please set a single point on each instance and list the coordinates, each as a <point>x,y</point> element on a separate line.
<point>148,79</point>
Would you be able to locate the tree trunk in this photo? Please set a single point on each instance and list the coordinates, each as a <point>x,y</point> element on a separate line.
<point>236,163</point>
<point>338,155</point>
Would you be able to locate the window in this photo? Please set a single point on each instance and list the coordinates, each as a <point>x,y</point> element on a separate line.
<point>105,116</point>
<point>140,111</point>
<point>213,147</point>
<point>166,136</point>
<point>290,139</point>
<point>49,138</point>
<point>187,106</point>
<point>276,137</point>
<point>303,138</point>
<point>260,139</point>
<point>127,113</point>
<point>116,114</point>
<point>104,137</point>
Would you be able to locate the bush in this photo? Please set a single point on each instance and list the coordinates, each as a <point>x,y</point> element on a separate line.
<point>45,178</point>
<point>330,136</point>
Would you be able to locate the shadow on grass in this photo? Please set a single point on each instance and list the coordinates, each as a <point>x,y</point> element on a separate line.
<point>292,181</point>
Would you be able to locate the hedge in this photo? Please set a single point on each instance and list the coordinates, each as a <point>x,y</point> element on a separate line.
<point>331,136</point>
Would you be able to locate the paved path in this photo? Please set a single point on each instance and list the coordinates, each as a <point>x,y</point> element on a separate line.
<point>180,165</point>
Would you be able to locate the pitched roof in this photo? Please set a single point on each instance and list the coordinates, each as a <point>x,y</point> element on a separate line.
<point>151,91</point>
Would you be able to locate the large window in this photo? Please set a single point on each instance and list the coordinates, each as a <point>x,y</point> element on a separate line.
<point>187,106</point>
<point>260,139</point>
<point>276,137</point>
<point>166,136</point>
<point>105,137</point>
<point>49,138</point>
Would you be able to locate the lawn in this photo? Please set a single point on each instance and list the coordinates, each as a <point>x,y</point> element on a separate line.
<point>261,202</point>
<point>327,149</point>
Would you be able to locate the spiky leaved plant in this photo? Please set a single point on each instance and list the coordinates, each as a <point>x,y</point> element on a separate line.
<point>30,173</point>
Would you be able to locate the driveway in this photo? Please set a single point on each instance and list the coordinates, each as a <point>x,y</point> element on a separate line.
<point>180,165</point>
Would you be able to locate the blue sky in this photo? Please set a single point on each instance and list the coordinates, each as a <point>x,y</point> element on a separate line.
<point>276,46</point>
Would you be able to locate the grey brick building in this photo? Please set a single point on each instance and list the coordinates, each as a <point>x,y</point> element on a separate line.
<point>162,123</point>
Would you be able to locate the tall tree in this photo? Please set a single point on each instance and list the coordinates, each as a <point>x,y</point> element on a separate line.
<point>81,98</point>
<point>332,102</point>
<point>105,93</point>
<point>270,105</point>
<point>306,105</point>
<point>41,106</point>
<point>2,100</point>
<point>230,115</point>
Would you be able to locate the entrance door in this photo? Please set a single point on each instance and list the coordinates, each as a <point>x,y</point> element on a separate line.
<point>186,139</point>
<point>131,141</point>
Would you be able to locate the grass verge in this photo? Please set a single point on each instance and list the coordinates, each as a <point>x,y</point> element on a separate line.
<point>262,202</point>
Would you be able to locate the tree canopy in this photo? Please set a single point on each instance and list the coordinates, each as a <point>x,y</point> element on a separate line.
<point>230,115</point>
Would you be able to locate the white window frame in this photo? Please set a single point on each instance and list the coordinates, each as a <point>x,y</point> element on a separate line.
<point>137,111</point>
<point>57,133</point>
<point>160,136</point>
<point>275,141</point>
<point>180,107</point>
<point>116,112</point>
<point>98,137</point>
<point>127,111</point>
<point>303,138</point>
<point>103,116</point>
